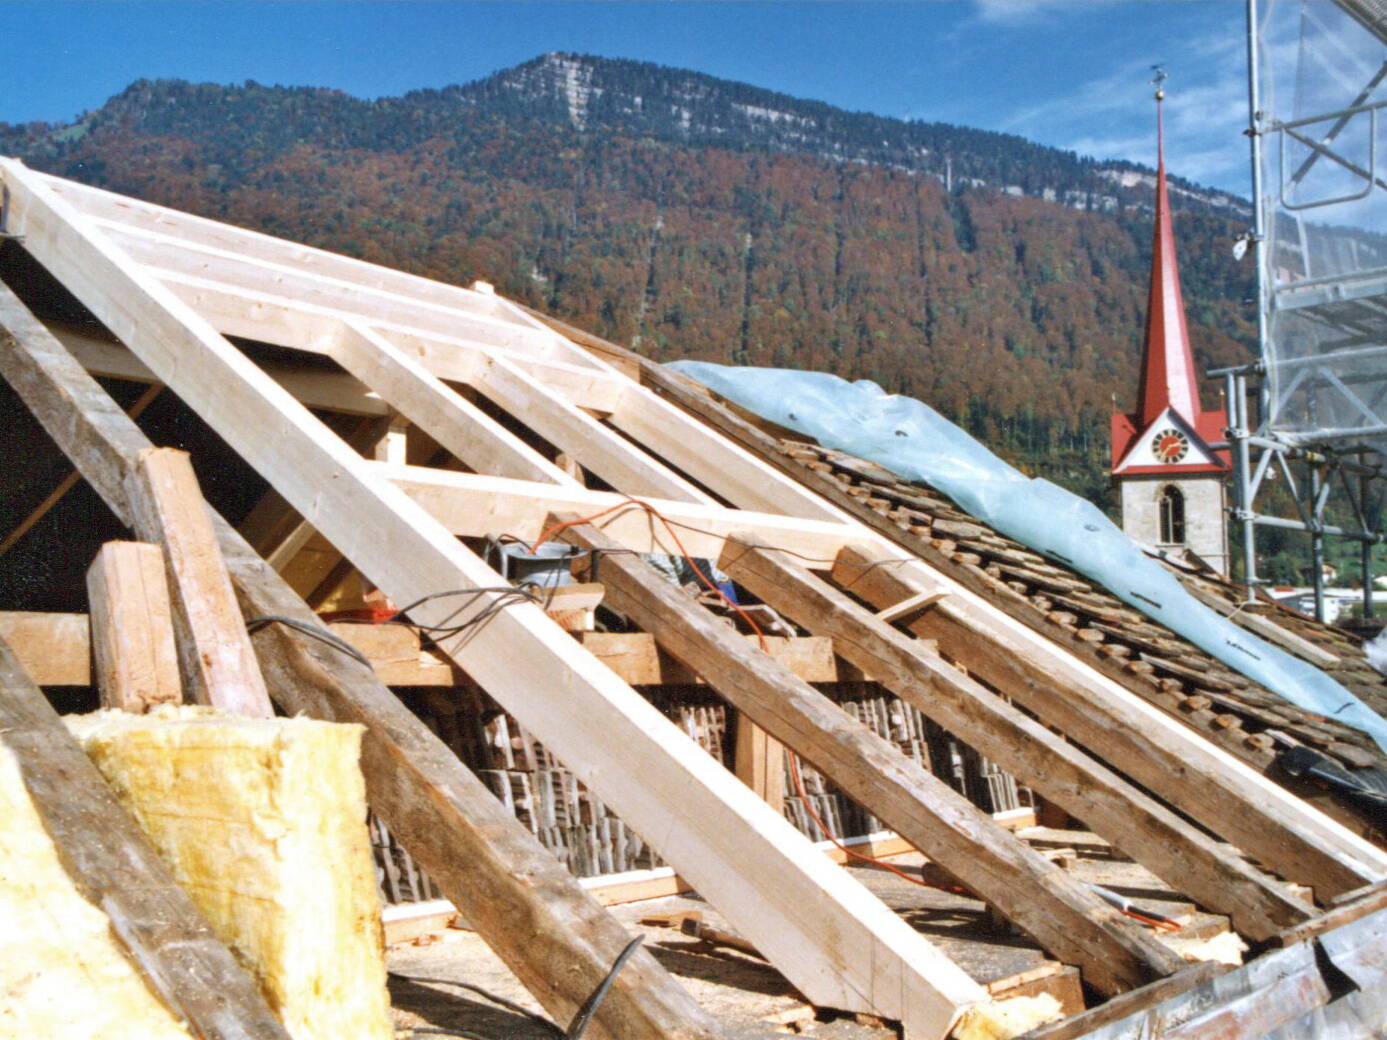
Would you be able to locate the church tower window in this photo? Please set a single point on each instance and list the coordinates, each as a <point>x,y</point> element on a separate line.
<point>1172,509</point>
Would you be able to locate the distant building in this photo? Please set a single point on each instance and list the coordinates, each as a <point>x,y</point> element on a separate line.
<point>1172,483</point>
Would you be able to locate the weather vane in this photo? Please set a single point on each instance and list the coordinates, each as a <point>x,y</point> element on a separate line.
<point>1159,77</point>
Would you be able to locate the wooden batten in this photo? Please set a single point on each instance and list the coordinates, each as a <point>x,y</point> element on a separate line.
<point>133,649</point>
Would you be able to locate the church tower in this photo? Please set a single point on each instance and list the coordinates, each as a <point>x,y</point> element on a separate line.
<point>1172,483</point>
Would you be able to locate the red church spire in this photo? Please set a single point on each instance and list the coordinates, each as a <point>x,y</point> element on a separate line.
<point>1167,364</point>
<point>1169,432</point>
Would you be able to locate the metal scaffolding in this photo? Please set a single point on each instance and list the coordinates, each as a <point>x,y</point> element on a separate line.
<point>1315,403</point>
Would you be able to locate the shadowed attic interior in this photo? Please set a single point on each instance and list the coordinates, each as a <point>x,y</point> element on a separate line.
<point>887,586</point>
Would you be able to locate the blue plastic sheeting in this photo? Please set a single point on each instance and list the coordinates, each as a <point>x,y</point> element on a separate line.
<point>914,441</point>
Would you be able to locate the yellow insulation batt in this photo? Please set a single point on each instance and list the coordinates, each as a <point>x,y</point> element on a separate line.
<point>63,975</point>
<point>263,823</point>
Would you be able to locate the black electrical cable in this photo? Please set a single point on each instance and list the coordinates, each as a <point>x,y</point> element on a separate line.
<point>501,1002</point>
<point>585,1014</point>
<point>312,631</point>
<point>576,1028</point>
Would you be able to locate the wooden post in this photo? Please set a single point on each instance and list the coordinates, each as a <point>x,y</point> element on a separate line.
<point>557,939</point>
<point>219,666</point>
<point>111,861</point>
<point>133,646</point>
<point>760,762</point>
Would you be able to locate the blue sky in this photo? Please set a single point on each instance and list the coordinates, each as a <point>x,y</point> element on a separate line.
<point>1070,73</point>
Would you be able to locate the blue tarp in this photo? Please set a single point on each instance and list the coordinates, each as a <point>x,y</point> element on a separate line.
<point>914,441</point>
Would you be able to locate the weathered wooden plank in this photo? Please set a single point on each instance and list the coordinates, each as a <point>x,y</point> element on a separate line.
<point>635,657</point>
<point>1066,918</point>
<point>1147,831</point>
<point>1160,753</point>
<point>133,648</point>
<point>112,863</point>
<point>68,482</point>
<point>556,939</point>
<point>214,651</point>
<point>55,649</point>
<point>830,937</point>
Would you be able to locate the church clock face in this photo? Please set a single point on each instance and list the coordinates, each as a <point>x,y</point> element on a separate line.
<point>1170,445</point>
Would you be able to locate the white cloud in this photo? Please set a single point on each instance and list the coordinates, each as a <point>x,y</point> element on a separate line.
<point>1205,115</point>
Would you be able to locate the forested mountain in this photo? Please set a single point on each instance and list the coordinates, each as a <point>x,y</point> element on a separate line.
<point>999,280</point>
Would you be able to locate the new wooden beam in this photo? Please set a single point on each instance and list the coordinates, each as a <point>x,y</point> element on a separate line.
<point>1171,848</point>
<point>112,863</point>
<point>454,422</point>
<point>479,505</point>
<point>214,649</point>
<point>326,390</point>
<point>1061,914</point>
<point>136,659</point>
<point>830,937</point>
<point>55,649</point>
<point>292,323</point>
<point>580,436</point>
<point>165,253</point>
<point>1158,752</point>
<point>557,940</point>
<point>253,244</point>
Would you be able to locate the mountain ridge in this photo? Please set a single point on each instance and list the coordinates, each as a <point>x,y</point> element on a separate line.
<point>779,232</point>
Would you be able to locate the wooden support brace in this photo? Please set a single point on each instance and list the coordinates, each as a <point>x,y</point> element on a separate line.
<point>111,861</point>
<point>1057,911</point>
<point>133,645</point>
<point>219,666</point>
<point>1172,849</point>
<point>68,482</point>
<point>1160,753</point>
<point>915,604</point>
<point>557,939</point>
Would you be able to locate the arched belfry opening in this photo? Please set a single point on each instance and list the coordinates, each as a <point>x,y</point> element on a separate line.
<point>1171,507</point>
